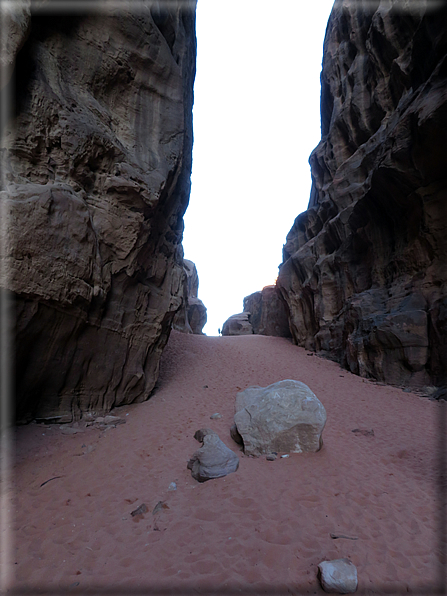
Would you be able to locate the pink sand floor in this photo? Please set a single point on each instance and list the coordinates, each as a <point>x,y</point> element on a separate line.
<point>261,530</point>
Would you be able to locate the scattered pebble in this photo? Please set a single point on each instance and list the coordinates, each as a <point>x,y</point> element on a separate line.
<point>114,420</point>
<point>159,506</point>
<point>286,455</point>
<point>270,457</point>
<point>172,486</point>
<point>216,415</point>
<point>68,430</point>
<point>363,431</point>
<point>139,510</point>
<point>335,536</point>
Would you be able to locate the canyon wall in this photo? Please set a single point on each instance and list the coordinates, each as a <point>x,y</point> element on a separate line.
<point>191,318</point>
<point>364,270</point>
<point>264,314</point>
<point>267,312</point>
<point>96,164</point>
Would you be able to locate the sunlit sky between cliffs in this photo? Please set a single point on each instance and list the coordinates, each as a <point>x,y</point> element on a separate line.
<point>256,121</point>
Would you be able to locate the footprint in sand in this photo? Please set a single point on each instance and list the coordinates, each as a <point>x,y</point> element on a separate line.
<point>243,502</point>
<point>205,515</point>
<point>272,536</point>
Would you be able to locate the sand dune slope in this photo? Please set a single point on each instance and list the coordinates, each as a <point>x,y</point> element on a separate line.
<point>260,530</point>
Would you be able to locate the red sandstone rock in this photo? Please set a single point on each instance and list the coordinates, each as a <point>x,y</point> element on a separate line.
<point>364,272</point>
<point>238,324</point>
<point>97,159</point>
<point>191,317</point>
<point>268,314</point>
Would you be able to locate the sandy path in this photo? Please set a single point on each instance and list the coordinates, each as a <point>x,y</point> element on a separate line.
<point>263,529</point>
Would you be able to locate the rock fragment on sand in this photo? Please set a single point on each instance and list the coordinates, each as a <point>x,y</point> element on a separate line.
<point>363,431</point>
<point>113,420</point>
<point>159,507</point>
<point>215,416</point>
<point>283,417</point>
<point>214,459</point>
<point>68,430</point>
<point>338,576</point>
<point>141,510</point>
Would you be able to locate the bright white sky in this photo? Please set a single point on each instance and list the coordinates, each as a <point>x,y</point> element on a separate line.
<point>256,121</point>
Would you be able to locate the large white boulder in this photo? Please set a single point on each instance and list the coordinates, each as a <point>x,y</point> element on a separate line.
<point>283,417</point>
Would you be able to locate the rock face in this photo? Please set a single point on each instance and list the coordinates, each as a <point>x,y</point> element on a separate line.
<point>364,270</point>
<point>214,459</point>
<point>285,416</point>
<point>16,21</point>
<point>238,325</point>
<point>264,314</point>
<point>191,317</point>
<point>268,315</point>
<point>338,576</point>
<point>96,162</point>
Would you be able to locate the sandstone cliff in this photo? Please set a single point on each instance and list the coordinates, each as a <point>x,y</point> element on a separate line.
<point>96,171</point>
<point>268,314</point>
<point>238,324</point>
<point>364,272</point>
<point>264,314</point>
<point>191,318</point>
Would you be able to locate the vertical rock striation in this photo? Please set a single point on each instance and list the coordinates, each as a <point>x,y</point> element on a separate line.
<point>96,162</point>
<point>364,271</point>
<point>264,314</point>
<point>191,318</point>
<point>267,312</point>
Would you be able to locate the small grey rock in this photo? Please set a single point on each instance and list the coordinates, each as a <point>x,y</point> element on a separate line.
<point>109,420</point>
<point>216,415</point>
<point>270,457</point>
<point>68,430</point>
<point>141,510</point>
<point>339,575</point>
<point>214,459</point>
<point>363,431</point>
<point>88,417</point>
<point>440,393</point>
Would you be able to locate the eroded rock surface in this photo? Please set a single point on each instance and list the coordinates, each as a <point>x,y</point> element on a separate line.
<point>214,459</point>
<point>364,271</point>
<point>283,417</point>
<point>15,22</point>
<point>191,318</point>
<point>97,163</point>
<point>238,324</point>
<point>268,315</point>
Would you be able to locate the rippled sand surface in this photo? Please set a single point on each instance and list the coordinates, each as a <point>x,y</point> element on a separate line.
<point>371,495</point>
